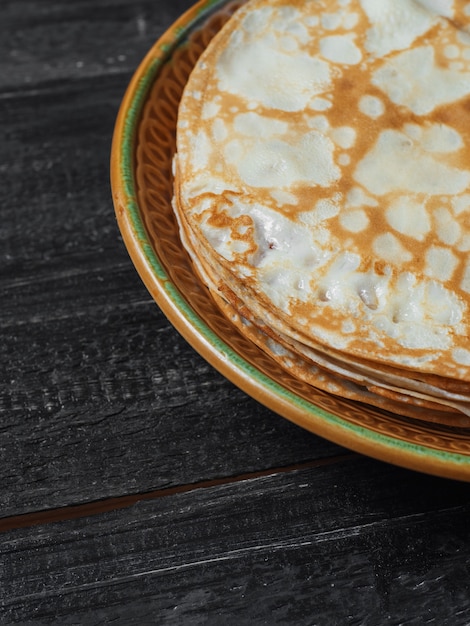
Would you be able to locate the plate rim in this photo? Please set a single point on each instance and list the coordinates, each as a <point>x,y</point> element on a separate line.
<point>191,326</point>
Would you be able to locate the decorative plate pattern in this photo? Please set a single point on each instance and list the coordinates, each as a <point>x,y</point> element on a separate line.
<point>141,176</point>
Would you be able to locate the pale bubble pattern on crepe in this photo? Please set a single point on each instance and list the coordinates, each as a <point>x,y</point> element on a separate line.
<point>323,169</point>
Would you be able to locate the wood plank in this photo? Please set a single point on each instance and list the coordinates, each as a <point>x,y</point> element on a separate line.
<point>54,40</point>
<point>359,543</point>
<point>94,408</point>
<point>55,199</point>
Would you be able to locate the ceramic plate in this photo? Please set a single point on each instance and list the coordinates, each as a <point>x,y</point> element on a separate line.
<point>142,151</point>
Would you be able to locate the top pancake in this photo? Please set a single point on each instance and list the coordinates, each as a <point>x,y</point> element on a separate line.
<point>323,164</point>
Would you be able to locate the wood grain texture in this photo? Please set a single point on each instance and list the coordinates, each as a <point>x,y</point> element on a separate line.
<point>104,417</point>
<point>53,41</point>
<point>100,398</point>
<point>330,545</point>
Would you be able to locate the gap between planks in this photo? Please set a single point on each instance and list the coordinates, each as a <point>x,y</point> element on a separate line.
<point>88,509</point>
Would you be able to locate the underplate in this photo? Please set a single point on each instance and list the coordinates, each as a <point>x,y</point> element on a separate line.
<point>142,186</point>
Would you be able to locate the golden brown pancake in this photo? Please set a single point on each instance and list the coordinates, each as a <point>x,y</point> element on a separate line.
<point>322,180</point>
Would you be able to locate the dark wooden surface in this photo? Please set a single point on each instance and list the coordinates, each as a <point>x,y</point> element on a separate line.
<point>138,485</point>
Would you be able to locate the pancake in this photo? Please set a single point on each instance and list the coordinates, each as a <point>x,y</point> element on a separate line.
<point>387,383</point>
<point>316,372</point>
<point>322,185</point>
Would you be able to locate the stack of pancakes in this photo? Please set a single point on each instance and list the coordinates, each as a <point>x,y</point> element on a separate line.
<point>322,189</point>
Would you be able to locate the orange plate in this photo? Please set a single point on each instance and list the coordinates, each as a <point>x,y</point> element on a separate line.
<point>141,158</point>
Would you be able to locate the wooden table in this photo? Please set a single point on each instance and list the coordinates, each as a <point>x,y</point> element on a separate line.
<point>138,485</point>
